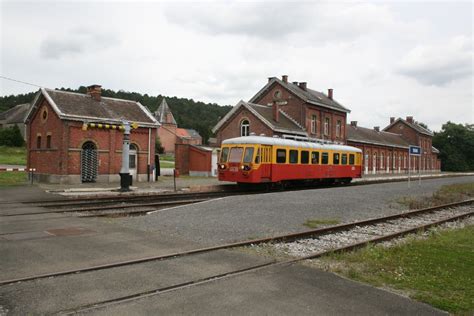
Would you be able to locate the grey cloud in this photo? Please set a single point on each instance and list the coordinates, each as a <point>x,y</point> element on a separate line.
<point>270,20</point>
<point>314,22</point>
<point>439,65</point>
<point>75,42</point>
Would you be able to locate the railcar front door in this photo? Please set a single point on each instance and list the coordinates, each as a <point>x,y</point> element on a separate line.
<point>266,165</point>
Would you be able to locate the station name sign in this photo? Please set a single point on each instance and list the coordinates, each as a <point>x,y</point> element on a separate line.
<point>415,150</point>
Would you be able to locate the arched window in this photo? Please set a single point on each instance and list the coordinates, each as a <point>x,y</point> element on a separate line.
<point>381,160</point>
<point>89,162</point>
<point>245,128</point>
<point>133,156</point>
<point>48,141</point>
<point>38,141</point>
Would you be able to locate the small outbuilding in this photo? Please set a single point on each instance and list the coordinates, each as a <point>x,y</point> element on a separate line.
<point>76,138</point>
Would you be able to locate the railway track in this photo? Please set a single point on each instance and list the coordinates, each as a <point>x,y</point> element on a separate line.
<point>363,232</point>
<point>229,189</point>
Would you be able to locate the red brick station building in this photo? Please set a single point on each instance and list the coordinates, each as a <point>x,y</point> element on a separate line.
<point>66,144</point>
<point>292,110</point>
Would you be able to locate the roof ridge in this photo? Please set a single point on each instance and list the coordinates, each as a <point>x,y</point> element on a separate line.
<point>371,129</point>
<point>85,95</point>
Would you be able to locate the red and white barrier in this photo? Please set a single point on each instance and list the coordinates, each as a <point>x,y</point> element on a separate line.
<point>18,169</point>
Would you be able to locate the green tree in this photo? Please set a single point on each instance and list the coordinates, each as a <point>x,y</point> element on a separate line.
<point>158,147</point>
<point>11,136</point>
<point>456,145</point>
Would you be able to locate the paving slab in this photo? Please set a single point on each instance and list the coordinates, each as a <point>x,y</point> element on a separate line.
<point>33,247</point>
<point>287,290</point>
<point>52,295</point>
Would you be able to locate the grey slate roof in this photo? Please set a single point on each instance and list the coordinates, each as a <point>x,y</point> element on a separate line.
<point>415,126</point>
<point>370,136</point>
<point>15,115</point>
<point>162,113</point>
<point>193,133</point>
<point>309,95</point>
<point>77,106</point>
<point>264,113</point>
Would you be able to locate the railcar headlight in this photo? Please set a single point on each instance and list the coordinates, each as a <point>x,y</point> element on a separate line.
<point>222,166</point>
<point>245,167</point>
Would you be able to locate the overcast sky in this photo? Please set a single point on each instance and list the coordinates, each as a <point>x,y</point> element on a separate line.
<point>382,58</point>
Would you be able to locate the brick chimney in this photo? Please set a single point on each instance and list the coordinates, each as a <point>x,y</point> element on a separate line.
<point>95,91</point>
<point>284,78</point>
<point>377,128</point>
<point>330,93</point>
<point>354,123</point>
<point>303,85</point>
<point>392,119</point>
<point>410,119</point>
<point>276,111</point>
<point>295,83</point>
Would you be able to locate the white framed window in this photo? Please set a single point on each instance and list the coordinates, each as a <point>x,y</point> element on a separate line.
<point>338,128</point>
<point>326,126</point>
<point>245,128</point>
<point>381,160</point>
<point>313,123</point>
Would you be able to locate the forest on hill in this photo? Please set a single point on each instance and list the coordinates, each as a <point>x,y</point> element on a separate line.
<point>188,113</point>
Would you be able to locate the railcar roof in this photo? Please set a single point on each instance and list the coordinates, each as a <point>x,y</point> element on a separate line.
<point>263,140</point>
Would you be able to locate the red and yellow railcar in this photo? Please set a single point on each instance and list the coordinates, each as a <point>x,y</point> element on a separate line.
<point>260,159</point>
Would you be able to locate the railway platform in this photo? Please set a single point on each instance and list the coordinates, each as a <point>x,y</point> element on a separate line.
<point>203,184</point>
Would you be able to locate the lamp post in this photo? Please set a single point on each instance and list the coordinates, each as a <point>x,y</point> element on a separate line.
<point>125,178</point>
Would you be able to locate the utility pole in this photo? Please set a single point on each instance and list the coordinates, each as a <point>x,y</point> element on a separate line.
<point>125,178</point>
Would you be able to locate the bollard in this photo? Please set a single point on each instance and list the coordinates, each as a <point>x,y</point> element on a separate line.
<point>32,170</point>
<point>174,179</point>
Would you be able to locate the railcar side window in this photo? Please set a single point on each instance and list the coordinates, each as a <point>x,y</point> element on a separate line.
<point>293,156</point>
<point>305,157</point>
<point>248,155</point>
<point>335,159</point>
<point>224,154</point>
<point>315,157</point>
<point>351,159</point>
<point>344,159</point>
<point>257,156</point>
<point>281,155</point>
<point>236,154</point>
<point>325,158</point>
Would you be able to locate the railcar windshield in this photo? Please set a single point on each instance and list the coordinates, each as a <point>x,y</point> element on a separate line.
<point>248,155</point>
<point>224,154</point>
<point>236,154</point>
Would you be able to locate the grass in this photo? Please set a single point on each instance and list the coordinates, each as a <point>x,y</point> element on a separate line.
<point>12,155</point>
<point>446,194</point>
<point>438,270</point>
<point>166,158</point>
<point>12,178</point>
<point>315,223</point>
<point>165,164</point>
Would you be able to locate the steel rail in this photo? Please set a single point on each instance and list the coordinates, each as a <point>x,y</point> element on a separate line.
<point>113,207</point>
<point>157,291</point>
<point>287,237</point>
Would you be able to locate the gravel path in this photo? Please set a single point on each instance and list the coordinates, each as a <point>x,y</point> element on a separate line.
<point>244,217</point>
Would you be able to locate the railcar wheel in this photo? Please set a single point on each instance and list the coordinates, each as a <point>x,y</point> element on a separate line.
<point>346,181</point>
